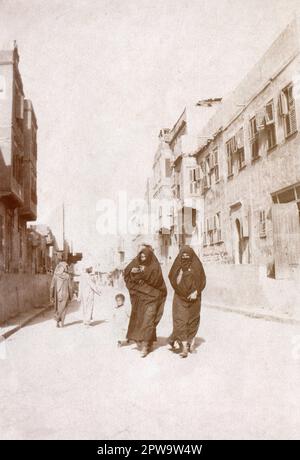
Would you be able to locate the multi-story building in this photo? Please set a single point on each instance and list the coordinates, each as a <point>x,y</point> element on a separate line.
<point>17,149</point>
<point>248,170</point>
<point>29,210</point>
<point>187,203</point>
<point>160,198</point>
<point>172,197</point>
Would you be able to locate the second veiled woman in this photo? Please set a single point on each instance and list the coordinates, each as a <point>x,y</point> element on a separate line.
<point>147,289</point>
<point>188,280</point>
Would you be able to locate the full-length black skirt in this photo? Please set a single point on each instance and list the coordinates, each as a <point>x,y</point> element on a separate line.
<point>146,312</point>
<point>186,319</point>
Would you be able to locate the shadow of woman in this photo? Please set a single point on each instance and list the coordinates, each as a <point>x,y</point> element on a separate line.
<point>197,342</point>
<point>100,321</point>
<point>72,323</point>
<point>161,342</point>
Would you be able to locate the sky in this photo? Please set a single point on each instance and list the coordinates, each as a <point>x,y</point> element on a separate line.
<point>106,76</point>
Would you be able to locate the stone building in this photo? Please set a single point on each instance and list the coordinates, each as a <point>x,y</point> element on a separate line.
<point>161,211</point>
<point>18,156</point>
<point>175,197</point>
<point>249,166</point>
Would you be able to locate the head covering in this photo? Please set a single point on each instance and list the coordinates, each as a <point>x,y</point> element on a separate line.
<point>152,274</point>
<point>187,255</point>
<point>61,270</point>
<point>193,266</point>
<point>148,253</point>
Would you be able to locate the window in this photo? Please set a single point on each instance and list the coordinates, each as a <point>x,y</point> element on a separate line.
<point>270,125</point>
<point>20,243</point>
<point>194,184</point>
<point>231,148</point>
<point>253,138</point>
<point>208,164</point>
<point>1,234</point>
<point>262,224</point>
<point>205,172</point>
<point>211,231</point>
<point>19,105</point>
<point>176,184</point>
<point>168,167</point>
<point>240,148</point>
<point>205,233</point>
<point>217,228</point>
<point>288,195</point>
<point>288,110</point>
<point>17,166</point>
<point>216,164</point>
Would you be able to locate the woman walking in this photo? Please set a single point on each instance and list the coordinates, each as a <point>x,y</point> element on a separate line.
<point>147,289</point>
<point>188,280</point>
<point>61,292</point>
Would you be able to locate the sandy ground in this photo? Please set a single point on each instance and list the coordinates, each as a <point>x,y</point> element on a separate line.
<point>242,381</point>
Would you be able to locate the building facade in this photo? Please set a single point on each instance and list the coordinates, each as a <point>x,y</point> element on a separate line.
<point>24,248</point>
<point>18,154</point>
<point>235,180</point>
<point>249,168</point>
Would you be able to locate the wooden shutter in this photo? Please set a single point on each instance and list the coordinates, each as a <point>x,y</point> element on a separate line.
<point>240,139</point>
<point>292,110</point>
<point>283,104</point>
<point>191,177</point>
<point>286,238</point>
<point>245,226</point>
<point>270,117</point>
<point>197,173</point>
<point>211,161</point>
<point>168,167</point>
<point>20,106</point>
<point>260,119</point>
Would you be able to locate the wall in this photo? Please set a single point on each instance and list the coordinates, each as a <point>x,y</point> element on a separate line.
<point>21,292</point>
<point>275,169</point>
<point>246,288</point>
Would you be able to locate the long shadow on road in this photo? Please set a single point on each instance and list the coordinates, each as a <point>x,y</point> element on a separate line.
<point>48,315</point>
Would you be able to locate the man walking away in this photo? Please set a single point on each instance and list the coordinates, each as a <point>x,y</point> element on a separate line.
<point>87,290</point>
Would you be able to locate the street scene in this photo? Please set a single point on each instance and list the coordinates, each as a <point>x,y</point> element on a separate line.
<point>149,219</point>
<point>75,383</point>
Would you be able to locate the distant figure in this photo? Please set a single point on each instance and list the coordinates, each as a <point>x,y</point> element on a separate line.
<point>188,280</point>
<point>61,292</point>
<point>87,290</point>
<point>147,289</point>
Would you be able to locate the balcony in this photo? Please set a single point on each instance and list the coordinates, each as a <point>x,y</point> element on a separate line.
<point>11,191</point>
<point>29,210</point>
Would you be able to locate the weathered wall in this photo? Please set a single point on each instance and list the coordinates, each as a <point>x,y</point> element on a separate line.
<point>20,292</point>
<point>276,169</point>
<point>247,288</point>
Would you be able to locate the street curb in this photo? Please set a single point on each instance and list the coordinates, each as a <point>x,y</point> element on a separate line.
<point>252,314</point>
<point>24,322</point>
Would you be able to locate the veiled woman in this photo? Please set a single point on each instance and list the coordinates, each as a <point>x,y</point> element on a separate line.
<point>147,289</point>
<point>61,292</point>
<point>188,280</point>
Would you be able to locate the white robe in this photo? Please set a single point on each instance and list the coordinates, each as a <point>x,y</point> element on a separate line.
<point>87,290</point>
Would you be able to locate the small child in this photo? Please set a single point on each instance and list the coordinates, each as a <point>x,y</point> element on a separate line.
<point>121,317</point>
<point>120,300</point>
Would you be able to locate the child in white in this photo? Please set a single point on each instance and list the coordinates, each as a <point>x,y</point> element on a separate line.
<point>121,315</point>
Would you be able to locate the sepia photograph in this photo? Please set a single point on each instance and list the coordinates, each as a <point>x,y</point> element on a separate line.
<point>149,223</point>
